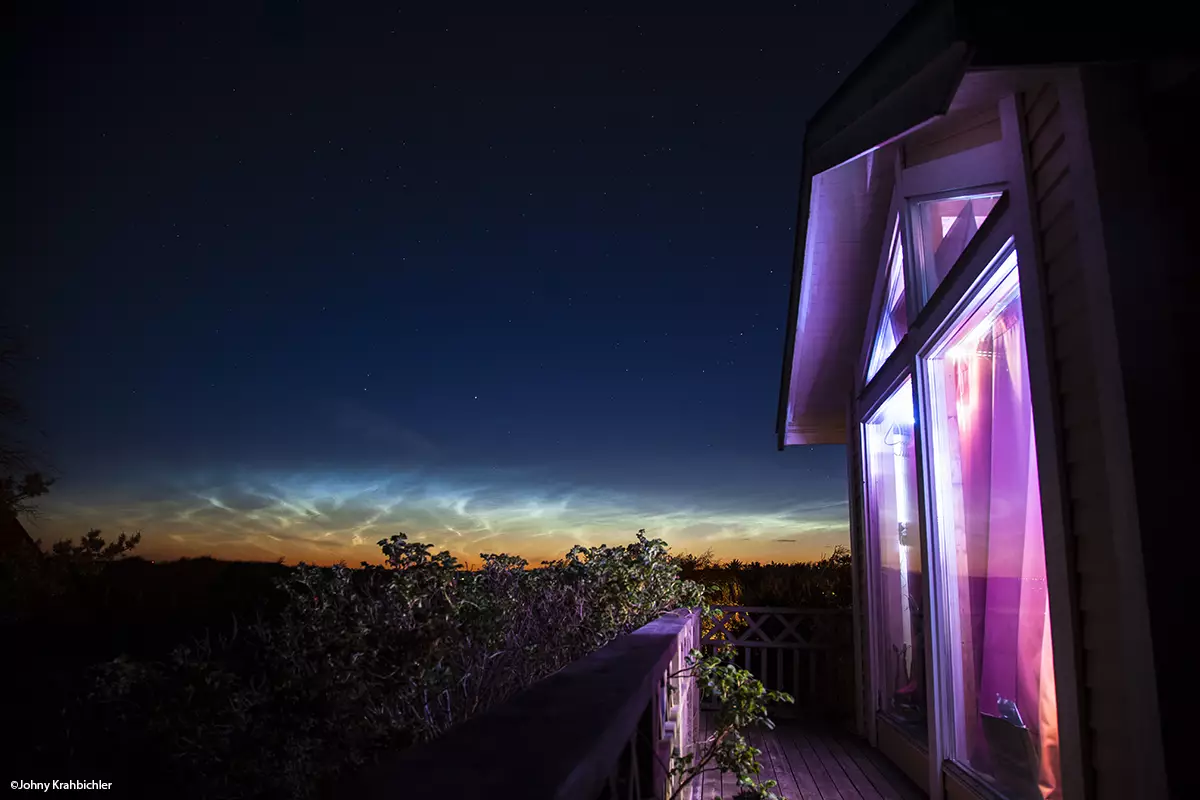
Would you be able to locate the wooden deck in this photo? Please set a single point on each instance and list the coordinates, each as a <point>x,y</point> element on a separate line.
<point>814,762</point>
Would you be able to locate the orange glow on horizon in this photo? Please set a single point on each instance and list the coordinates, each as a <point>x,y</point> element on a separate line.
<point>156,548</point>
<point>323,519</point>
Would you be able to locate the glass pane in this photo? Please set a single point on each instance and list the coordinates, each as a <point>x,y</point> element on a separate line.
<point>893,318</point>
<point>999,661</point>
<point>891,468</point>
<point>946,227</point>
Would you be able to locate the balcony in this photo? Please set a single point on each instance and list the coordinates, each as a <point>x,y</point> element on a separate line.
<point>605,727</point>
<point>814,760</point>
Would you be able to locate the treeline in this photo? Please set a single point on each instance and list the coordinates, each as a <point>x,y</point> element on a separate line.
<point>824,583</point>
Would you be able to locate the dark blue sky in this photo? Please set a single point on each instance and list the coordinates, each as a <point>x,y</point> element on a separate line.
<point>298,277</point>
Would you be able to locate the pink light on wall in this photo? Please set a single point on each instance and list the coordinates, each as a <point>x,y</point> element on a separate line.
<point>948,223</point>
<point>945,228</point>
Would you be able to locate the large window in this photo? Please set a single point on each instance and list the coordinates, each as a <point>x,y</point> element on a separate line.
<point>998,660</point>
<point>893,522</point>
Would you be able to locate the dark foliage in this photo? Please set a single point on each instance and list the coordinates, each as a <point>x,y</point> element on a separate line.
<point>351,662</point>
<point>21,482</point>
<point>825,583</point>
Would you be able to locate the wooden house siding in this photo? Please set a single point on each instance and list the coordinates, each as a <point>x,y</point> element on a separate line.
<point>954,133</point>
<point>1089,518</point>
<point>1140,123</point>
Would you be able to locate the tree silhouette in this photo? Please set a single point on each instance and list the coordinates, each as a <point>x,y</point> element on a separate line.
<point>20,480</point>
<point>93,549</point>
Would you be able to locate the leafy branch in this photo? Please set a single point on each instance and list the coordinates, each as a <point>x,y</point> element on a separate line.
<point>743,703</point>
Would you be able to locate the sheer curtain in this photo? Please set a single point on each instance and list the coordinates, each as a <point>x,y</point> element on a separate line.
<point>899,569</point>
<point>895,535</point>
<point>1007,668</point>
<point>883,474</point>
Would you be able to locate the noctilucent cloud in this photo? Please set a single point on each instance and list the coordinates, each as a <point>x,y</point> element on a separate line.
<point>297,279</point>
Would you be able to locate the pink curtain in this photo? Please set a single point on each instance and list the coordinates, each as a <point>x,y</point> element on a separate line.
<point>1002,567</point>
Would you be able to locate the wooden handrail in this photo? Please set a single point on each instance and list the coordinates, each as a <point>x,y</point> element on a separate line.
<point>564,738</point>
<point>812,612</point>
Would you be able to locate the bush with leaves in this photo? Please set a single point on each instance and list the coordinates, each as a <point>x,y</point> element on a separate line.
<point>742,703</point>
<point>366,660</point>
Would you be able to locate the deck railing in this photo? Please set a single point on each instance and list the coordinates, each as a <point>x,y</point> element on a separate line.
<point>807,653</point>
<point>603,727</point>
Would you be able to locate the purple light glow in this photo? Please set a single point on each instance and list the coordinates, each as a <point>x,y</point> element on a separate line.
<point>989,532</point>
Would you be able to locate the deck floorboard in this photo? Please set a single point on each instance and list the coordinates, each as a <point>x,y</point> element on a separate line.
<point>814,762</point>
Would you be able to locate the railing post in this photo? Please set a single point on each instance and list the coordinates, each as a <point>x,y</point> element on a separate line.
<point>680,714</point>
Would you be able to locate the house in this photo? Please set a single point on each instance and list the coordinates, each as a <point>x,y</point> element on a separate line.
<point>996,214</point>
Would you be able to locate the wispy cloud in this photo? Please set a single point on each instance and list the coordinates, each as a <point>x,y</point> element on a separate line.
<point>327,517</point>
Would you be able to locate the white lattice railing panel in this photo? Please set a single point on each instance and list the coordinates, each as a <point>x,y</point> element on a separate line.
<point>800,651</point>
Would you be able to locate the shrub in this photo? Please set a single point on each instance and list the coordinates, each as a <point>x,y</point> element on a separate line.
<point>743,701</point>
<point>364,660</point>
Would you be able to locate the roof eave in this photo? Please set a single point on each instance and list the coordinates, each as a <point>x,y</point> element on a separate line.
<point>910,103</point>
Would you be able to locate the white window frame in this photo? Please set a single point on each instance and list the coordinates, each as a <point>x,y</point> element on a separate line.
<point>896,216</point>
<point>998,166</point>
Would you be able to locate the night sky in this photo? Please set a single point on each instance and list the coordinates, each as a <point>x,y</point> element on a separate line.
<point>297,278</point>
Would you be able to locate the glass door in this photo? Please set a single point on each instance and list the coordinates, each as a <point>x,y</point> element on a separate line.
<point>997,666</point>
